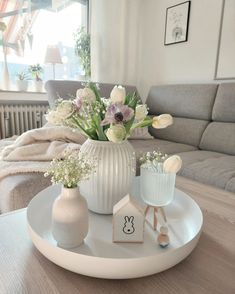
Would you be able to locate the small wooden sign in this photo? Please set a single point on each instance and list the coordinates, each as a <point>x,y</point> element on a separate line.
<point>128,221</point>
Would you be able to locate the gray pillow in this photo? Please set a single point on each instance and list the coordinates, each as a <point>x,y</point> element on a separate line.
<point>140,134</point>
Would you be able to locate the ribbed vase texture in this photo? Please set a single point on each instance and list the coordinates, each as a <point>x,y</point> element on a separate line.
<point>157,189</point>
<point>114,174</point>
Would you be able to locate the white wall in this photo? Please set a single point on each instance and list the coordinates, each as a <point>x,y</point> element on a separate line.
<point>114,39</point>
<point>192,61</point>
<point>128,43</point>
<point>226,64</point>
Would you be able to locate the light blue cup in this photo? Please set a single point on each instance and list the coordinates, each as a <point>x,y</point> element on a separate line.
<point>157,189</point>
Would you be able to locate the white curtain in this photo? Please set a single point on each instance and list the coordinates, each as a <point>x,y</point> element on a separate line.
<point>114,40</point>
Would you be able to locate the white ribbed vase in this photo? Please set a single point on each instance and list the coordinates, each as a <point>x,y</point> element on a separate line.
<point>114,174</point>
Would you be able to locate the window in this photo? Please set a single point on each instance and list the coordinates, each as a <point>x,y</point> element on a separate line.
<point>32,26</point>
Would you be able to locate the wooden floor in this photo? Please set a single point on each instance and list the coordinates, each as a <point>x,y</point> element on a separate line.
<point>209,269</point>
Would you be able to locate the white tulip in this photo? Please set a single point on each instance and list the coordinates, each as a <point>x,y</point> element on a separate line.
<point>172,164</point>
<point>58,115</point>
<point>162,121</point>
<point>86,94</point>
<point>118,94</point>
<point>141,112</point>
<point>54,118</point>
<point>65,109</point>
<point>116,133</point>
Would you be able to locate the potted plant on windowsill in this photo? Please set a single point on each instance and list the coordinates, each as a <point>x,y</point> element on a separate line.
<point>82,50</point>
<point>36,71</point>
<point>22,82</point>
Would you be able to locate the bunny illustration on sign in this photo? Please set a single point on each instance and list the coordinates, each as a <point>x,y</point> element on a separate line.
<point>129,225</point>
<point>128,221</point>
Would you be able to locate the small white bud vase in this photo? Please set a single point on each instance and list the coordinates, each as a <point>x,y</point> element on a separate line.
<point>69,218</point>
<point>157,189</point>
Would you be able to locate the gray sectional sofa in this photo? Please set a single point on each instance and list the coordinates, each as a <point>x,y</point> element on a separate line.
<point>203,134</point>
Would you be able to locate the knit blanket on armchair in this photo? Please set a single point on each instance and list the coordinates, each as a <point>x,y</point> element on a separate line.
<point>34,149</point>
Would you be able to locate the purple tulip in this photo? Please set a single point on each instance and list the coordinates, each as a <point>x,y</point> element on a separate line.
<point>117,113</point>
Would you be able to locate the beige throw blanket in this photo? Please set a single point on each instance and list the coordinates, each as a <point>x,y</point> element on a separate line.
<point>33,150</point>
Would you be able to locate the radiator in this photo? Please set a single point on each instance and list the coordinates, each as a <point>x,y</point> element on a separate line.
<point>18,118</point>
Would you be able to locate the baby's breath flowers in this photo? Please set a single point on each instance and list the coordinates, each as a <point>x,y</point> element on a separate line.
<point>153,161</point>
<point>72,169</point>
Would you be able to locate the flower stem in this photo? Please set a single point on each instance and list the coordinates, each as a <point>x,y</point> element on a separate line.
<point>144,123</point>
<point>97,123</point>
<point>85,132</point>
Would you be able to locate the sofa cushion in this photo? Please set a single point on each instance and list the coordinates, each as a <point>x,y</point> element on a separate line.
<point>190,101</point>
<point>191,157</point>
<point>143,146</point>
<point>184,130</point>
<point>140,133</point>
<point>211,168</point>
<point>219,137</point>
<point>224,106</point>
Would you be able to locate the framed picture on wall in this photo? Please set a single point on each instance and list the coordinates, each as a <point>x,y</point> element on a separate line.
<point>176,26</point>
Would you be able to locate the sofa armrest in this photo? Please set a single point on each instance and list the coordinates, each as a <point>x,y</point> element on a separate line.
<point>16,191</point>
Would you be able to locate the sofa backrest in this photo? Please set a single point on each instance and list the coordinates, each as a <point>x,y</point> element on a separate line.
<point>66,89</point>
<point>191,106</point>
<point>219,135</point>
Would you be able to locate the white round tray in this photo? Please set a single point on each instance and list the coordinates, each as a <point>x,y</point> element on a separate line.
<point>99,257</point>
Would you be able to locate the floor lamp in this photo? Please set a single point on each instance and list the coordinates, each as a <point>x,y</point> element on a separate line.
<point>53,56</point>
